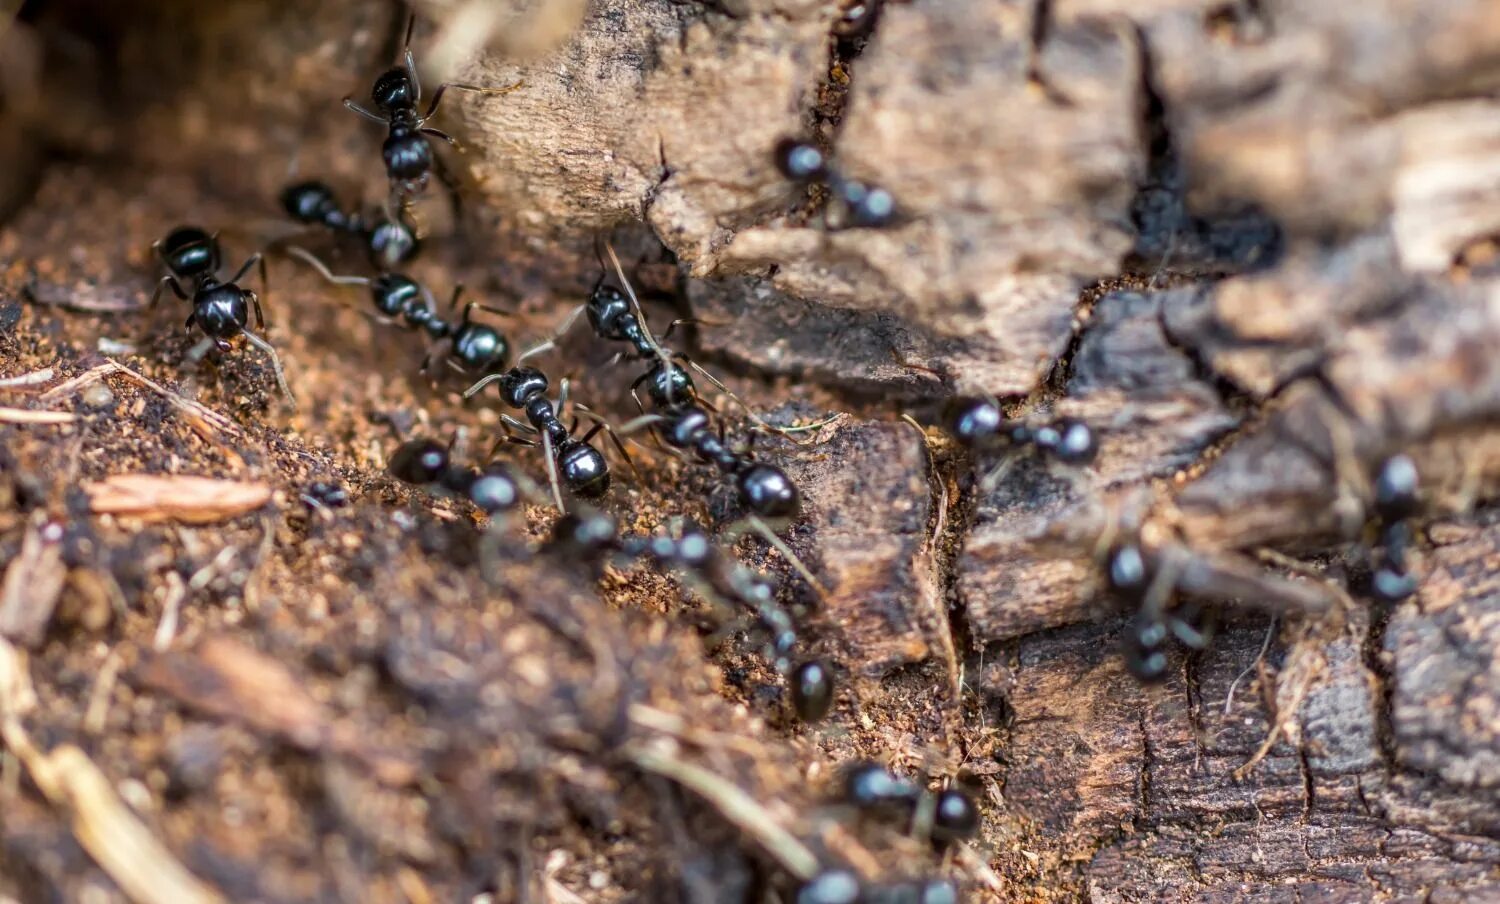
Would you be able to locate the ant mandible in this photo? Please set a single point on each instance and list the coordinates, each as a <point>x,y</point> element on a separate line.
<point>221,310</point>
<point>407,150</point>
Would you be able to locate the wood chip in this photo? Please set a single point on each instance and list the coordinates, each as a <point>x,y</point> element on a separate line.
<point>172,497</point>
<point>32,585</point>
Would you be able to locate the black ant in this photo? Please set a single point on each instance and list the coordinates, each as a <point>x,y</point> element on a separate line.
<point>948,815</point>
<point>496,489</point>
<point>582,468</point>
<point>407,150</point>
<point>474,348</point>
<point>594,537</point>
<point>616,316</point>
<point>862,205</point>
<point>389,241</point>
<point>1138,581</point>
<point>1396,500</point>
<point>1148,580</point>
<point>980,424</point>
<point>680,416</point>
<point>221,310</point>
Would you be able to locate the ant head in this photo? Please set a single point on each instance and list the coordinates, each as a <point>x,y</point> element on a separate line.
<point>800,161</point>
<point>812,690</point>
<point>669,386</point>
<point>392,244</point>
<point>393,293</point>
<point>972,421</point>
<point>419,460</point>
<point>189,252</point>
<point>495,489</point>
<point>586,533</point>
<point>1127,572</point>
<point>956,817</point>
<point>479,348</point>
<point>520,385</point>
<point>686,425</point>
<point>394,91</point>
<point>221,312</point>
<point>309,202</point>
<point>768,492</point>
<point>608,309</point>
<point>870,785</point>
<point>1396,489</point>
<point>832,886</point>
<point>582,469</point>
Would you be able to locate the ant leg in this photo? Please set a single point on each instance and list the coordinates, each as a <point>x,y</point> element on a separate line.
<point>488,309</point>
<point>308,258</point>
<point>437,96</point>
<point>265,285</point>
<point>439,133</point>
<point>602,424</point>
<point>691,321</point>
<point>164,283</point>
<point>511,422</point>
<point>549,453</point>
<point>556,337</point>
<point>635,426</point>
<point>349,104</point>
<point>783,431</point>
<point>265,346</point>
<point>458,292</point>
<point>752,522</point>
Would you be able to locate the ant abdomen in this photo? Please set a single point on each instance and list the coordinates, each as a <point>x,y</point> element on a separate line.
<point>767,491</point>
<point>582,468</point>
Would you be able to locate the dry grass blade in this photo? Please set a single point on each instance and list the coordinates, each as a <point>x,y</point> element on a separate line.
<point>190,408</point>
<point>23,416</point>
<point>738,807</point>
<point>169,497</point>
<point>134,858</point>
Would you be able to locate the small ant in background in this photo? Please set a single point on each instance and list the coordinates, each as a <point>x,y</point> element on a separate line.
<point>389,242</point>
<point>1148,578</point>
<point>221,310</point>
<point>680,416</point>
<point>1395,501</point>
<point>860,205</point>
<point>474,348</point>
<point>594,537</point>
<point>408,149</point>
